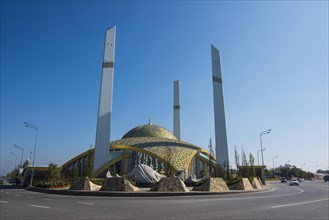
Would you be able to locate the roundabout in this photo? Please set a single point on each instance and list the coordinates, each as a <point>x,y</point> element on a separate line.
<point>307,201</point>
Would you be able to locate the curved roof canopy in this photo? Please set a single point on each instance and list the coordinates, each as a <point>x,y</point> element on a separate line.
<point>155,141</point>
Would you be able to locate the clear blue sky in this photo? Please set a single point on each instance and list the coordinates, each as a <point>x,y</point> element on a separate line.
<point>274,59</point>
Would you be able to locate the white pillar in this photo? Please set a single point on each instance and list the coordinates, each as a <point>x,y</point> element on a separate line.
<point>219,111</point>
<point>105,102</point>
<point>176,110</point>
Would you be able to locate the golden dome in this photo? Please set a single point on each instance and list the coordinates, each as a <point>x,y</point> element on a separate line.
<point>149,130</point>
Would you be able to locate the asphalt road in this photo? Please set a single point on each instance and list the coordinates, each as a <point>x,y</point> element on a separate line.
<point>310,200</point>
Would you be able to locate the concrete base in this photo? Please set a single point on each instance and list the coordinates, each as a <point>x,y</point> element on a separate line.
<point>256,184</point>
<point>243,184</point>
<point>84,183</point>
<point>212,185</point>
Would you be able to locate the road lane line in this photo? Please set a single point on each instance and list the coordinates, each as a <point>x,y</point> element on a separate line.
<point>7,193</point>
<point>30,197</point>
<point>238,197</point>
<point>299,203</point>
<point>40,206</point>
<point>47,199</point>
<point>86,203</point>
<point>16,195</point>
<point>3,202</point>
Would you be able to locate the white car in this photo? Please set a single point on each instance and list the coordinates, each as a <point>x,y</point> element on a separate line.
<point>294,182</point>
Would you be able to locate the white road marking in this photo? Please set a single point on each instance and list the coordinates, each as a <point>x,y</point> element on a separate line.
<point>30,197</point>
<point>86,203</point>
<point>3,202</point>
<point>299,203</point>
<point>7,193</point>
<point>1,191</point>
<point>39,206</point>
<point>16,195</point>
<point>242,198</point>
<point>47,199</point>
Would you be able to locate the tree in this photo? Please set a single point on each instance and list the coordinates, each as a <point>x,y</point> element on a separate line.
<point>211,151</point>
<point>236,159</point>
<point>252,168</point>
<point>53,172</point>
<point>244,161</point>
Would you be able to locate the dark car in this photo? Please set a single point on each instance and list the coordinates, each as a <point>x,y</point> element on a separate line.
<point>283,179</point>
<point>326,178</point>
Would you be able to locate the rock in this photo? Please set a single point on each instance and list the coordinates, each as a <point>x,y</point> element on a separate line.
<point>212,185</point>
<point>243,184</point>
<point>144,174</point>
<point>171,184</point>
<point>83,183</point>
<point>256,184</point>
<point>118,184</point>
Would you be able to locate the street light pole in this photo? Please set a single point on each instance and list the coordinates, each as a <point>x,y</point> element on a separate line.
<point>273,161</point>
<point>316,167</point>
<point>303,165</point>
<point>22,149</point>
<point>12,153</point>
<point>29,125</point>
<point>261,146</point>
<point>258,153</point>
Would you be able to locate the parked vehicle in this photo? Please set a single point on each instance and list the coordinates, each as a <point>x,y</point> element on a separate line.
<point>294,182</point>
<point>326,178</point>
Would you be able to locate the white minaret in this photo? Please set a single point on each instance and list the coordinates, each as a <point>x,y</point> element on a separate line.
<point>105,102</point>
<point>176,110</point>
<point>220,125</point>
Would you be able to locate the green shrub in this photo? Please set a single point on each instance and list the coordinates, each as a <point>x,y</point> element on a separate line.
<point>233,181</point>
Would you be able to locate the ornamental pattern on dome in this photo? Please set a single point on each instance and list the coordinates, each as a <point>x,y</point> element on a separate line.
<point>149,130</point>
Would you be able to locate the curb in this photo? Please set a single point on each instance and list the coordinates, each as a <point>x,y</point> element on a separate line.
<point>138,194</point>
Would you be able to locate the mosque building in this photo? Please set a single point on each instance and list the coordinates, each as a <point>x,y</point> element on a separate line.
<point>148,144</point>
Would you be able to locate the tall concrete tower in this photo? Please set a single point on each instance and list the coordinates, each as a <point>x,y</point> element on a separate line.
<point>105,102</point>
<point>220,125</point>
<point>176,110</point>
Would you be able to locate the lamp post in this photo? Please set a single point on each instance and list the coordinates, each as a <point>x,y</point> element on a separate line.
<point>303,165</point>
<point>12,153</point>
<point>258,153</point>
<point>22,149</point>
<point>273,161</point>
<point>29,125</point>
<point>287,168</point>
<point>316,167</point>
<point>261,146</point>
